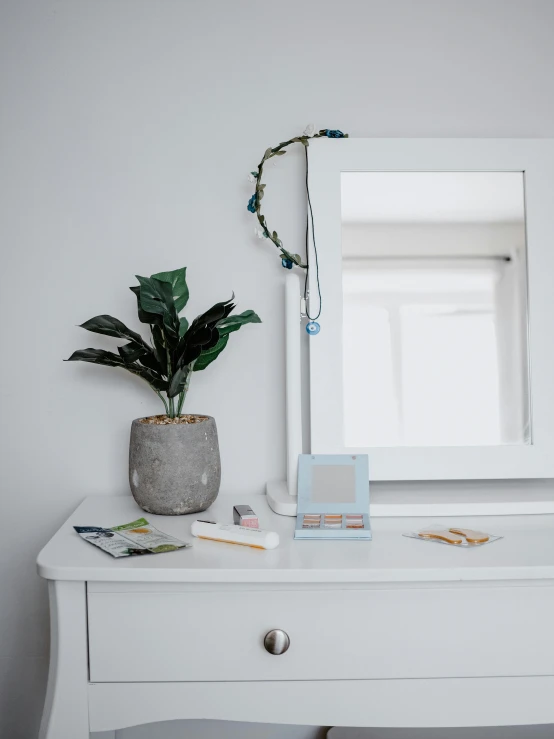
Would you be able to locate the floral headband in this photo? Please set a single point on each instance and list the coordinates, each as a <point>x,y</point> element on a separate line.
<point>254,204</point>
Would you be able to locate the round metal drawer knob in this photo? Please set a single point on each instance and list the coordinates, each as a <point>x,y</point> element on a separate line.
<point>276,641</point>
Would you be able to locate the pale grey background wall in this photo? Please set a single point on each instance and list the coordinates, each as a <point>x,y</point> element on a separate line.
<point>128,128</point>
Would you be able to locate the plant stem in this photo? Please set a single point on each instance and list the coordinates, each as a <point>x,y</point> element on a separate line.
<point>185,389</point>
<point>161,397</point>
<point>182,397</point>
<point>171,412</point>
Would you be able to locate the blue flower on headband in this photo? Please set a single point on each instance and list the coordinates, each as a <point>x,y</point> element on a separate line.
<point>252,203</point>
<point>334,134</point>
<point>287,263</point>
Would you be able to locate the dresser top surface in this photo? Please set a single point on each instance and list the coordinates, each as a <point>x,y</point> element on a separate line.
<point>526,551</point>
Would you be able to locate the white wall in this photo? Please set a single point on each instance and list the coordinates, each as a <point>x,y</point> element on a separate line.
<point>128,128</point>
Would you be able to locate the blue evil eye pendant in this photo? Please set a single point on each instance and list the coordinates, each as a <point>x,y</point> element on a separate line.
<point>313,328</point>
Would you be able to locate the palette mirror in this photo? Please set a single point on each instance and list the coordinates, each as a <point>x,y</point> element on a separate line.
<point>333,484</point>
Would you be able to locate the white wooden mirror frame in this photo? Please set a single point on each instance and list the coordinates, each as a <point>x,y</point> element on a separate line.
<point>535,158</point>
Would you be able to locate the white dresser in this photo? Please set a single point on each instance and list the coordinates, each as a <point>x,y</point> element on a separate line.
<point>393,632</point>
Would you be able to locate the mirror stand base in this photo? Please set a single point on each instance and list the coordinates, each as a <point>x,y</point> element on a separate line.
<point>447,498</point>
<point>279,499</point>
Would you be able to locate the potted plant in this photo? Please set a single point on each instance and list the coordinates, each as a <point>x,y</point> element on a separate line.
<point>174,463</point>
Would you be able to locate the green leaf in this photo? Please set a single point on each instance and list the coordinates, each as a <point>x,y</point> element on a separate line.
<point>136,349</point>
<point>201,337</point>
<point>150,360</point>
<point>280,153</point>
<point>200,334</point>
<point>131,352</point>
<point>152,378</point>
<point>178,281</point>
<point>193,343</point>
<point>225,327</point>
<point>177,384</point>
<point>183,326</point>
<point>110,326</point>
<point>97,356</point>
<point>156,297</point>
<point>189,355</point>
<point>233,323</point>
<point>154,294</point>
<point>143,316</point>
<point>160,349</point>
<point>207,357</point>
<point>213,340</point>
<point>109,359</point>
<point>213,315</point>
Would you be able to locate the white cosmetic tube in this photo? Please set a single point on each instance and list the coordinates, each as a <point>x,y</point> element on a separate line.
<point>232,534</point>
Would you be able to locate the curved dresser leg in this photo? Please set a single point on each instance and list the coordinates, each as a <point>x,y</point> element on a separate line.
<point>66,707</point>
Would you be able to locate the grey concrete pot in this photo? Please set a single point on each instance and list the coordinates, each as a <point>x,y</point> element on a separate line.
<point>174,469</point>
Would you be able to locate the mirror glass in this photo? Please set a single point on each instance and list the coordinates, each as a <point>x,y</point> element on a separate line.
<point>434,309</point>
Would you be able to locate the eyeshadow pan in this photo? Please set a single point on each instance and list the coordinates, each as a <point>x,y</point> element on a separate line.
<point>333,521</point>
<point>311,521</point>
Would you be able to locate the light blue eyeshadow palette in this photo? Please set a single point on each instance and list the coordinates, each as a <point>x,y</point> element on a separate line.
<point>333,497</point>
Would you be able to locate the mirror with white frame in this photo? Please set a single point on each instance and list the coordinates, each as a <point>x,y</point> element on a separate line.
<point>436,350</point>
<point>435,326</point>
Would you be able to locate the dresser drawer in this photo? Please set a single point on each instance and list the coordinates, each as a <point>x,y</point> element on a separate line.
<point>334,634</point>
